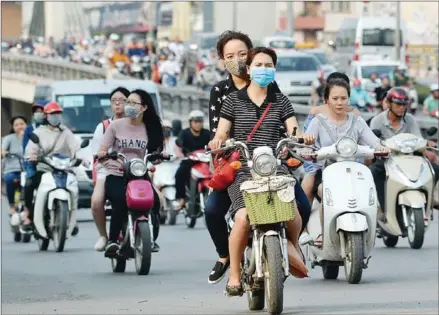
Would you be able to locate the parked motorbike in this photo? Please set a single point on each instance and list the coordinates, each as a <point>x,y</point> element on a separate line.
<point>198,189</point>
<point>349,211</point>
<point>146,65</point>
<point>409,190</point>
<point>86,60</point>
<point>121,67</point>
<point>164,181</point>
<point>137,239</point>
<point>136,68</point>
<point>16,221</point>
<point>268,199</point>
<point>56,199</point>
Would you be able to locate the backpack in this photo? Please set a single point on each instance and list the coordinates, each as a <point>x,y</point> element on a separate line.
<point>105,124</point>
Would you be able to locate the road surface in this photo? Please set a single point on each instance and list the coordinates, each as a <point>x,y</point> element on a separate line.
<point>80,281</point>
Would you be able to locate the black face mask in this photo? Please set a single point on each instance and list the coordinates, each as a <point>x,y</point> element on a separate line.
<point>167,133</point>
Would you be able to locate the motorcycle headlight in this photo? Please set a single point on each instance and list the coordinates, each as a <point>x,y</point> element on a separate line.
<point>346,147</point>
<point>264,164</point>
<point>135,59</point>
<point>137,168</point>
<point>60,163</point>
<point>407,146</point>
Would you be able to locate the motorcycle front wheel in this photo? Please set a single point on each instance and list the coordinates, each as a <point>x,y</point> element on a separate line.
<point>142,248</point>
<point>353,264</point>
<point>274,282</point>
<point>61,223</point>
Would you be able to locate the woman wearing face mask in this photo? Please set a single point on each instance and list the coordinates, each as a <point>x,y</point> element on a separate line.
<point>54,138</point>
<point>240,112</point>
<point>12,144</point>
<point>338,123</point>
<point>134,136</point>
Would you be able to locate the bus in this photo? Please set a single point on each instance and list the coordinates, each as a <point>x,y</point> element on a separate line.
<point>368,38</point>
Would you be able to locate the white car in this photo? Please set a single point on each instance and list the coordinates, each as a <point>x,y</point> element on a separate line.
<point>295,74</point>
<point>363,69</point>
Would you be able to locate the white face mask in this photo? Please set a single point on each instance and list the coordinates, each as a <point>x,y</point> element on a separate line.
<point>55,119</point>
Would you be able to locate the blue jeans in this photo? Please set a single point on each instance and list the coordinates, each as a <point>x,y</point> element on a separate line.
<point>11,186</point>
<point>217,205</point>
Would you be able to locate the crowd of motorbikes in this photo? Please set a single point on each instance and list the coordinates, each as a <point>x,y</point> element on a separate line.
<point>350,221</point>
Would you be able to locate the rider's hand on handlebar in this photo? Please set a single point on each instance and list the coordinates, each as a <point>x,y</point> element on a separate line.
<point>308,139</point>
<point>384,149</point>
<point>215,144</point>
<point>284,153</point>
<point>307,154</point>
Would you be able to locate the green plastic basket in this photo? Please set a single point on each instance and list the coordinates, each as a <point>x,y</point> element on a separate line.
<point>267,208</point>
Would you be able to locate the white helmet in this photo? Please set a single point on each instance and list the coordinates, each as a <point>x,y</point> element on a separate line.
<point>114,37</point>
<point>166,124</point>
<point>434,87</point>
<point>196,115</point>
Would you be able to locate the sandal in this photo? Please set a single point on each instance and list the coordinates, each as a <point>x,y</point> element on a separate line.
<point>234,290</point>
<point>318,242</point>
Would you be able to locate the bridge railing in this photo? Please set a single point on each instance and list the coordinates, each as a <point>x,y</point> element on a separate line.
<point>178,100</point>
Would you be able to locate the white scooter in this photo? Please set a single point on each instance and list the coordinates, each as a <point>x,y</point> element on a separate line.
<point>164,180</point>
<point>409,191</point>
<point>349,212</point>
<point>56,199</point>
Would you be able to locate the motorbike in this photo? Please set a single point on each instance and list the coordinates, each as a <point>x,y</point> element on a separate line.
<point>86,60</point>
<point>268,198</point>
<point>198,189</point>
<point>146,65</point>
<point>409,190</point>
<point>164,180</point>
<point>136,237</point>
<point>16,221</point>
<point>136,68</point>
<point>349,211</point>
<point>56,199</point>
<point>121,67</point>
<point>435,114</point>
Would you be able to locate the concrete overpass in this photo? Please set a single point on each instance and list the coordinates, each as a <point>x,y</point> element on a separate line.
<point>27,78</point>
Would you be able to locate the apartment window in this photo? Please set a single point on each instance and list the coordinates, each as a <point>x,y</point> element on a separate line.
<point>340,6</point>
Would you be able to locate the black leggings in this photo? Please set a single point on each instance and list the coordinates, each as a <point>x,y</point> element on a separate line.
<point>31,184</point>
<point>115,188</point>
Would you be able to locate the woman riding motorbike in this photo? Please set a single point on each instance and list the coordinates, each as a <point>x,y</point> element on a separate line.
<point>139,133</point>
<point>12,152</point>
<point>336,124</point>
<point>54,138</point>
<point>240,112</point>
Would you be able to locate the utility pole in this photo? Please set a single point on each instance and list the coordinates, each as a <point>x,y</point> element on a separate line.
<point>398,32</point>
<point>235,15</point>
<point>290,18</point>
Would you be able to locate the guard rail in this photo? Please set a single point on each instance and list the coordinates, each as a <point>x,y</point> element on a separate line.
<point>179,101</point>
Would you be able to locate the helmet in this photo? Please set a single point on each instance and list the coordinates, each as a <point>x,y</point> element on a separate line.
<point>196,115</point>
<point>398,95</point>
<point>166,124</point>
<point>39,104</point>
<point>434,87</point>
<point>52,107</point>
<point>114,37</point>
<point>356,82</point>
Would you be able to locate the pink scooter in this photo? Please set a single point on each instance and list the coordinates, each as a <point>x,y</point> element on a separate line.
<point>137,231</point>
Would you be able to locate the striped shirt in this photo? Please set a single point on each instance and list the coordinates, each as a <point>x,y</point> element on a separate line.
<point>244,114</point>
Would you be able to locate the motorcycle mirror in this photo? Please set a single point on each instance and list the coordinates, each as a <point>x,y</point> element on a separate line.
<point>377,133</point>
<point>34,138</point>
<point>431,131</point>
<point>85,143</point>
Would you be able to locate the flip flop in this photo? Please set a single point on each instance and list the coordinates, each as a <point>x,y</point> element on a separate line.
<point>234,290</point>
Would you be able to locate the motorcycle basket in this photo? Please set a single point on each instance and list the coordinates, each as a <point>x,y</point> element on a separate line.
<point>270,200</point>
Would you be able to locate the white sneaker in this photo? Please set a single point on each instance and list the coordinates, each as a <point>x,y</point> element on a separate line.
<point>101,243</point>
<point>305,238</point>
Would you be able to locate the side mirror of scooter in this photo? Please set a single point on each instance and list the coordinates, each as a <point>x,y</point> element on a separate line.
<point>85,143</point>
<point>34,138</point>
<point>431,131</point>
<point>377,133</point>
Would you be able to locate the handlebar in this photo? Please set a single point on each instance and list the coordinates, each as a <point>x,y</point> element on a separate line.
<point>149,157</point>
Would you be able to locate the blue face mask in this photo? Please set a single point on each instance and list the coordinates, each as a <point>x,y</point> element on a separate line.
<point>39,118</point>
<point>262,76</point>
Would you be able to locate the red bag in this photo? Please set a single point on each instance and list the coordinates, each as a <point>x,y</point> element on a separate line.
<point>105,123</point>
<point>225,171</point>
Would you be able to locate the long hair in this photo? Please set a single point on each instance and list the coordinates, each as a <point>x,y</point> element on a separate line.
<point>152,121</point>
